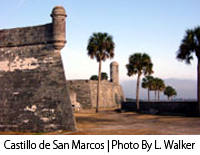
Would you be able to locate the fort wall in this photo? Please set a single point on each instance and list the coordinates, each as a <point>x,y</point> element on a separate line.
<point>183,108</point>
<point>34,96</point>
<point>27,36</point>
<point>111,93</point>
<point>86,93</point>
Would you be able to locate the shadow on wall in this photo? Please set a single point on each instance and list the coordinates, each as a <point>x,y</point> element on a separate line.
<point>174,108</point>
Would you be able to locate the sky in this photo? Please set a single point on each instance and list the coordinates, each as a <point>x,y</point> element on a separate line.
<point>155,27</point>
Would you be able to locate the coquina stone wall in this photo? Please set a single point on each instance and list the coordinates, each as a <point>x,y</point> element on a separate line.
<point>111,92</point>
<point>34,96</point>
<point>86,93</point>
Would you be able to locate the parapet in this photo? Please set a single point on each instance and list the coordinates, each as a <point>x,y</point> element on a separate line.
<point>52,33</point>
<point>34,96</point>
<point>28,36</point>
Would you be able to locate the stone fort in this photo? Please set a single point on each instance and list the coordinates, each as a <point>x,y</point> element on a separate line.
<point>34,94</point>
<point>85,91</point>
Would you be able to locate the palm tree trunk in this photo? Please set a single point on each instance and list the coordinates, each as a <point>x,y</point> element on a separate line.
<point>137,92</point>
<point>148,94</point>
<point>98,88</point>
<point>198,83</point>
<point>158,95</point>
<point>155,94</point>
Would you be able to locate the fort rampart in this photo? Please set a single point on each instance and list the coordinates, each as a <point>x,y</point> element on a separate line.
<point>86,93</point>
<point>34,96</point>
<point>182,108</point>
<point>111,92</point>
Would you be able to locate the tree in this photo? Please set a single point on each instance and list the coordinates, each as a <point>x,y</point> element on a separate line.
<point>94,77</point>
<point>158,86</point>
<point>170,91</point>
<point>191,45</point>
<point>139,64</point>
<point>101,47</point>
<point>147,84</point>
<point>104,76</point>
<point>175,93</point>
<point>154,86</point>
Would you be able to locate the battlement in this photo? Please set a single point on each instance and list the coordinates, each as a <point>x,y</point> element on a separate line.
<point>86,90</point>
<point>103,82</point>
<point>34,96</point>
<point>52,33</point>
<point>26,36</point>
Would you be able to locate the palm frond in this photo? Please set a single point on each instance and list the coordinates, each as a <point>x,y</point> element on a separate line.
<point>139,64</point>
<point>189,45</point>
<point>101,46</point>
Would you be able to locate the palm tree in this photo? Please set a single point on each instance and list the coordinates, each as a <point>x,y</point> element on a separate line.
<point>160,87</point>
<point>189,45</point>
<point>175,93</point>
<point>101,47</point>
<point>155,86</point>
<point>170,91</point>
<point>139,64</point>
<point>147,83</point>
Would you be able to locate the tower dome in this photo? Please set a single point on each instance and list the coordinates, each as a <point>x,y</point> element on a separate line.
<point>58,26</point>
<point>114,63</point>
<point>58,10</point>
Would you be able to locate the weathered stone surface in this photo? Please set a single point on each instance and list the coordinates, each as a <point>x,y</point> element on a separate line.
<point>86,91</point>
<point>76,106</point>
<point>114,72</point>
<point>26,36</point>
<point>34,96</point>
